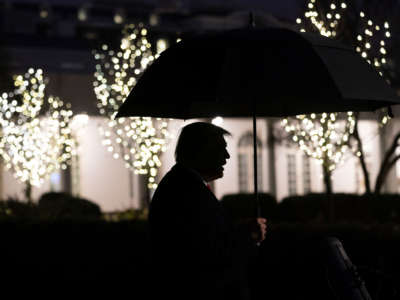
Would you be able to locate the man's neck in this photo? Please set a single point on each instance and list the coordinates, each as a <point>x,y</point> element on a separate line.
<point>195,171</point>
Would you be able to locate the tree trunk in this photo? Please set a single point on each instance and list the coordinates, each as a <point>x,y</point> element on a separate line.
<point>66,183</point>
<point>362,158</point>
<point>28,192</point>
<point>386,165</point>
<point>383,175</point>
<point>328,190</point>
<point>144,191</point>
<point>325,164</point>
<point>327,175</point>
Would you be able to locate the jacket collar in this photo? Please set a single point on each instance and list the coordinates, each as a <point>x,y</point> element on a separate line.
<point>193,172</point>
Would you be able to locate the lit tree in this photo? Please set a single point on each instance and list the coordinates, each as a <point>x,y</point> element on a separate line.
<point>139,141</point>
<point>33,143</point>
<point>319,135</point>
<point>371,44</point>
<point>322,137</point>
<point>352,26</point>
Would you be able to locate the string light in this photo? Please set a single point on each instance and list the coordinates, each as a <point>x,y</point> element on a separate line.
<point>139,141</point>
<point>34,146</point>
<point>317,135</point>
<point>82,14</point>
<point>217,121</point>
<point>119,16</point>
<point>366,39</point>
<point>321,136</point>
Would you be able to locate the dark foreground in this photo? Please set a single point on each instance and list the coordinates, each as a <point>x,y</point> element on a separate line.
<point>91,257</point>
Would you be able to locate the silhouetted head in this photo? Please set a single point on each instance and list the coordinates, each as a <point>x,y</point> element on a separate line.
<point>202,147</point>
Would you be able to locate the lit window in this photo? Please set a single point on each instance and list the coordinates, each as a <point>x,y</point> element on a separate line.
<point>246,163</point>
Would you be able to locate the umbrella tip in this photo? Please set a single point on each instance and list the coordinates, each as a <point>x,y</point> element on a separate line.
<point>117,115</point>
<point>390,112</point>
<point>252,22</point>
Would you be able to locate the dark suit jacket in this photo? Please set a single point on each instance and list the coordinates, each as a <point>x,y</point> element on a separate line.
<point>195,248</point>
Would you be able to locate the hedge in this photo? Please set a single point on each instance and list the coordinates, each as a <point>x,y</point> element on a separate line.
<point>244,205</point>
<point>88,253</point>
<point>52,205</point>
<point>312,208</point>
<point>318,208</point>
<point>333,208</point>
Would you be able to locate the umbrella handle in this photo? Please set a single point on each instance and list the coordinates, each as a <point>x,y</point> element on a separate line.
<point>390,112</point>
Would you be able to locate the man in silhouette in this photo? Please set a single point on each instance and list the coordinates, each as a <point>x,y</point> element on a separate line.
<point>197,253</point>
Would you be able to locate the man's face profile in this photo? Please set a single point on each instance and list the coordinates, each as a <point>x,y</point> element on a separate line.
<point>212,158</point>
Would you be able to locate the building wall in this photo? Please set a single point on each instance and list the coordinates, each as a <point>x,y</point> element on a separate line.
<point>107,182</point>
<point>348,177</point>
<point>103,179</point>
<point>13,188</point>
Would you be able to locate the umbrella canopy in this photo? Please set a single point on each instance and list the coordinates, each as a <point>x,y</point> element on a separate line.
<point>251,72</point>
<point>263,72</point>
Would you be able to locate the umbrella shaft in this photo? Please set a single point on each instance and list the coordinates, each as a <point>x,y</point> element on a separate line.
<point>258,212</point>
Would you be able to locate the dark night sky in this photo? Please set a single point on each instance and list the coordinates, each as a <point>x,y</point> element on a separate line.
<point>65,48</point>
<point>280,8</point>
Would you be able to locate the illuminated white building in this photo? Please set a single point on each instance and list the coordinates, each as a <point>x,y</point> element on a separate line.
<point>97,176</point>
<point>69,29</point>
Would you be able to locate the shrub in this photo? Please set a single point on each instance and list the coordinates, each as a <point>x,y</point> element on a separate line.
<point>13,207</point>
<point>126,215</point>
<point>240,206</point>
<point>54,205</point>
<point>323,208</point>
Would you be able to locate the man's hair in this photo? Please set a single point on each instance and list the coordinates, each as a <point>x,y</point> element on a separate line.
<point>193,137</point>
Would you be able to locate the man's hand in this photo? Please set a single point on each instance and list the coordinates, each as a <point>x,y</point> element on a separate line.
<point>260,230</point>
<point>257,228</point>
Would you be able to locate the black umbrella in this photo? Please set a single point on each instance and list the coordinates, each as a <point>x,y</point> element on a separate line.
<point>253,72</point>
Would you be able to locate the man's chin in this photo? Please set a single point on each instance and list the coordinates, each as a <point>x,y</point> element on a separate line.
<point>216,174</point>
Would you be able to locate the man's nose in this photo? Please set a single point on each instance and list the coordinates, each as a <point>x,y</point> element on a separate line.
<point>227,154</point>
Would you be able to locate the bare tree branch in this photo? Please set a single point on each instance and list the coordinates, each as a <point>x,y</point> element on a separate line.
<point>387,164</point>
